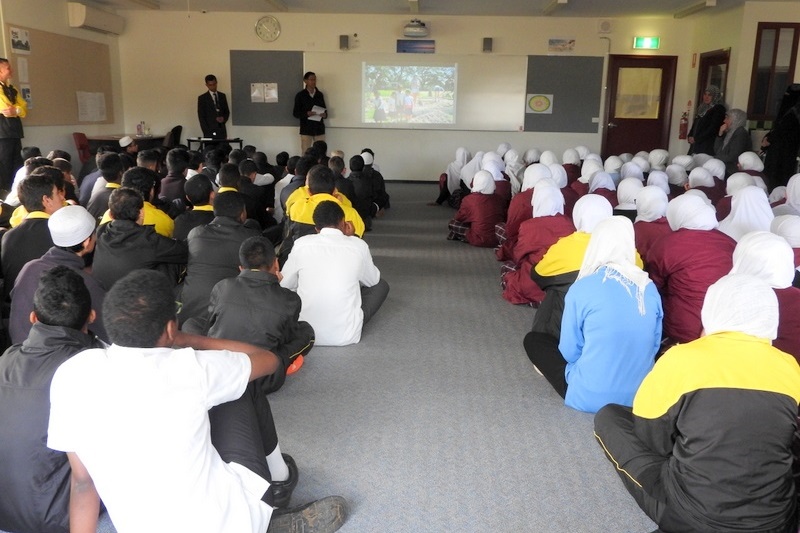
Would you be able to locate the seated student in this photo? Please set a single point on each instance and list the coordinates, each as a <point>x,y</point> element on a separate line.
<point>735,182</point>
<point>536,236</point>
<point>750,211</point>
<point>611,327</point>
<point>450,179</point>
<point>172,185</point>
<point>200,195</point>
<point>126,244</point>
<point>770,258</point>
<point>685,262</point>
<point>602,184</point>
<point>378,183</point>
<point>70,183</point>
<point>195,164</point>
<point>333,273</point>
<point>181,432</point>
<point>144,181</point>
<point>31,239</point>
<point>366,202</point>
<point>627,190</point>
<point>110,166</point>
<point>571,161</point>
<point>254,308</point>
<point>288,176</point>
<point>493,164</point>
<point>559,176</point>
<point>788,227</point>
<point>702,180</point>
<point>259,196</point>
<point>707,445</point>
<point>479,213</point>
<point>560,265</point>
<point>660,179</point>
<point>213,253</point>
<point>519,210</point>
<point>29,154</point>
<point>300,217</point>
<point>214,159</point>
<point>514,170</point>
<point>281,161</point>
<point>35,480</point>
<point>651,220</point>
<point>88,181</point>
<point>343,185</point>
<point>266,172</point>
<point>303,165</point>
<point>72,230</point>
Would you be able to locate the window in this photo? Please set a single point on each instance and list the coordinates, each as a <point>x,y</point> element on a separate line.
<point>773,68</point>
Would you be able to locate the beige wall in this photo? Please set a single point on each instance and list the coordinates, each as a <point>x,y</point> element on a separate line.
<point>161,58</point>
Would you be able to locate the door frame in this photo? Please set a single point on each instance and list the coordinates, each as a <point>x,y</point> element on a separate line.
<point>668,90</point>
<point>709,59</point>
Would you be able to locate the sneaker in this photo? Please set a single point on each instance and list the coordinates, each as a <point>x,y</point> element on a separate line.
<point>321,516</point>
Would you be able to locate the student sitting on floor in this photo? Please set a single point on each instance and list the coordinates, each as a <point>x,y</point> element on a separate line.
<point>611,327</point>
<point>480,211</point>
<point>708,443</point>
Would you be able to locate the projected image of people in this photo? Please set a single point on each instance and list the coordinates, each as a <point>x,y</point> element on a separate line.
<point>394,94</point>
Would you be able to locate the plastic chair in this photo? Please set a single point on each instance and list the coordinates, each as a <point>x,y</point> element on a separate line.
<point>82,144</point>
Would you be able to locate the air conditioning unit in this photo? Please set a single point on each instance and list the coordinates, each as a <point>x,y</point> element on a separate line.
<point>416,28</point>
<point>91,18</point>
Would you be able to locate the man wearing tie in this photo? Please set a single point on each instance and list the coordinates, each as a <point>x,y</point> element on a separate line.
<point>212,110</point>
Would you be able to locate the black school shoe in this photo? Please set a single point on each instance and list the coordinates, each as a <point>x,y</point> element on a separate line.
<point>282,490</point>
<point>322,516</point>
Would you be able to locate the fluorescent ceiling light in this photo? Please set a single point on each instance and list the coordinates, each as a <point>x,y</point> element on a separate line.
<point>694,8</point>
<point>553,6</point>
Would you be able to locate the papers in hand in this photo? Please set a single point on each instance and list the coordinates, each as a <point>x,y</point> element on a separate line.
<point>318,112</point>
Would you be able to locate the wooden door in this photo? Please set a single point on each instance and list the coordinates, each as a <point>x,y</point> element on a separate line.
<point>638,103</point>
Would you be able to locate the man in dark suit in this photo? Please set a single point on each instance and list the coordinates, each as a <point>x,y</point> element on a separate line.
<point>212,110</point>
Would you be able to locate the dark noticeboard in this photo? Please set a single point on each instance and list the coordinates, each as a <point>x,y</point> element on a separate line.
<point>261,67</point>
<point>575,83</point>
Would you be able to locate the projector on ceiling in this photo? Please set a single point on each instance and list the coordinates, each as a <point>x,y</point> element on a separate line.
<point>415,28</point>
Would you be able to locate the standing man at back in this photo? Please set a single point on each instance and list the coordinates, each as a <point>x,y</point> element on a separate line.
<point>212,110</point>
<point>312,127</point>
<point>12,108</point>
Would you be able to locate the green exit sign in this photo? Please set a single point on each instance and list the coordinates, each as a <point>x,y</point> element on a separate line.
<point>646,43</point>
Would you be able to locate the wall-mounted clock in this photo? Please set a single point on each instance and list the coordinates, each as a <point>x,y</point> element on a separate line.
<point>268,28</point>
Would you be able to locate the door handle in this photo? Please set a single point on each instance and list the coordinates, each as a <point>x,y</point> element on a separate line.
<point>612,125</point>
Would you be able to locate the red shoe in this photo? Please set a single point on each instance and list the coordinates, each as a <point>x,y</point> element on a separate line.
<point>295,366</point>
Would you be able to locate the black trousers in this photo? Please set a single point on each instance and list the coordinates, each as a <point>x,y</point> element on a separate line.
<point>243,430</point>
<point>10,161</point>
<point>372,298</point>
<point>542,350</point>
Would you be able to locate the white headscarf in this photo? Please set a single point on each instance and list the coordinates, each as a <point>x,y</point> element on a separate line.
<point>658,159</point>
<point>626,193</point>
<point>491,156</point>
<point>738,180</point>
<point>531,156</point>
<point>700,177</point>
<point>502,149</point>
<point>483,183</point>
<point>454,169</point>
<point>594,156</point>
<point>589,168</point>
<point>676,175</point>
<point>548,158</point>
<point>750,161</point>
<point>547,200</point>
<point>631,170</point>
<point>788,227</point>
<point>743,303</point>
<point>559,175</point>
<point>716,168</point>
<point>701,159</point>
<point>750,211</point>
<point>533,174</point>
<point>659,179</point>
<point>792,205</point>
<point>571,157</point>
<point>690,212</point>
<point>469,170</point>
<point>700,194</point>
<point>495,168</point>
<point>777,194</point>
<point>589,210</point>
<point>626,157</point>
<point>514,168</point>
<point>601,180</point>
<point>582,151</point>
<point>651,204</point>
<point>761,184</point>
<point>612,246</point>
<point>686,161</point>
<point>642,163</point>
<point>766,256</point>
<point>612,164</point>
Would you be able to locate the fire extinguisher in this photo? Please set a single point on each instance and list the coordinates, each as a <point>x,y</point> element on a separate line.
<point>683,131</point>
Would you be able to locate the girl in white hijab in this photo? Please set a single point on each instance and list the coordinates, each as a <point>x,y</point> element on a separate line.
<point>778,194</point>
<point>659,159</point>
<point>626,194</point>
<point>454,169</point>
<point>750,211</point>
<point>700,177</point>
<point>716,168</point>
<point>631,170</point>
<point>700,194</point>
<point>549,158</point>
<point>701,159</point>
<point>531,156</point>
<point>651,204</point>
<point>626,157</point>
<point>547,200</point>
<point>595,157</point>
<point>589,168</point>
<point>792,204</point>
<point>690,212</point>
<point>788,227</point>
<point>660,179</point>
<point>642,163</point>
<point>533,174</point>
<point>558,174</point>
<point>686,161</point>
<point>468,171</point>
<point>601,180</point>
<point>589,211</point>
<point>735,182</point>
<point>677,176</point>
<point>483,183</point>
<point>571,157</point>
<point>502,149</point>
<point>612,165</point>
<point>582,152</point>
<point>741,303</point>
<point>750,161</point>
<point>514,168</point>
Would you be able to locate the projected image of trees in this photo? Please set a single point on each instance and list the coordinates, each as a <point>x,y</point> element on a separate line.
<point>409,94</point>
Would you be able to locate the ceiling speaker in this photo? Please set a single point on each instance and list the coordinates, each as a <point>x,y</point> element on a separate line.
<point>604,26</point>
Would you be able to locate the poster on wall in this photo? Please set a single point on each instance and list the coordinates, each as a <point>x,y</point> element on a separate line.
<point>561,45</point>
<point>540,104</point>
<point>20,41</point>
<point>25,91</point>
<point>264,93</point>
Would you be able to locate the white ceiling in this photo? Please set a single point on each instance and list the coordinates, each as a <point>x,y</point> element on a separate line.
<point>572,8</point>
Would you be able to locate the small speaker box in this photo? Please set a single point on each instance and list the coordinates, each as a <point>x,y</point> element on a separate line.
<point>344,42</point>
<point>487,44</point>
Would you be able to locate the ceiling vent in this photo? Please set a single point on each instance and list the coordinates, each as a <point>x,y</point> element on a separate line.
<point>416,28</point>
<point>90,18</point>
